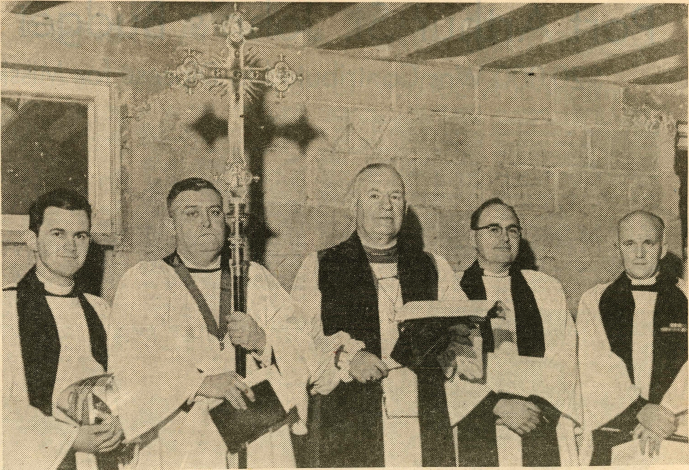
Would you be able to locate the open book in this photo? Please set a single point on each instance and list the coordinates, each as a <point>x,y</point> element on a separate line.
<point>428,327</point>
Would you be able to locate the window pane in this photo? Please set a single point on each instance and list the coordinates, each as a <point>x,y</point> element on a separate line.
<point>44,146</point>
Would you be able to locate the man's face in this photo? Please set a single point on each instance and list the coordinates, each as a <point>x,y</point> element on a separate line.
<point>199,223</point>
<point>641,246</point>
<point>62,242</point>
<point>380,204</point>
<point>499,241</point>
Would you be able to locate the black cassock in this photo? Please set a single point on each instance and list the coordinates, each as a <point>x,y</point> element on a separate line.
<point>346,428</point>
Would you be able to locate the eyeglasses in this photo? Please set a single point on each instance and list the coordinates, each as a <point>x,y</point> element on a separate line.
<point>513,231</point>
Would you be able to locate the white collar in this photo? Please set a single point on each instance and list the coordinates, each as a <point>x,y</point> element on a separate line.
<point>56,288</point>
<point>214,265</point>
<point>644,282</point>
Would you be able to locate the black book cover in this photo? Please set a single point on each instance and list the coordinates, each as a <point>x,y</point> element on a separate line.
<point>240,427</point>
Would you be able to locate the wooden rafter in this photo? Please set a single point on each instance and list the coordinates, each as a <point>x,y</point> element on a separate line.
<point>646,70</point>
<point>554,32</point>
<point>451,27</point>
<point>351,21</point>
<point>627,45</point>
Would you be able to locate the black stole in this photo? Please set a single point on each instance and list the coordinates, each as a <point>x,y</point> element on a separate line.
<point>40,342</point>
<point>351,432</point>
<point>616,308</point>
<point>476,432</point>
<point>669,348</point>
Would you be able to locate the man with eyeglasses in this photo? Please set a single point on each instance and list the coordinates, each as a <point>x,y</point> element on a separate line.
<point>530,377</point>
<point>633,352</point>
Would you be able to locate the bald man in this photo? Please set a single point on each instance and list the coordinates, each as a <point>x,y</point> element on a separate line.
<point>632,347</point>
<point>352,293</point>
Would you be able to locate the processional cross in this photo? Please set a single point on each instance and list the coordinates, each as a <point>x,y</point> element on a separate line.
<point>229,72</point>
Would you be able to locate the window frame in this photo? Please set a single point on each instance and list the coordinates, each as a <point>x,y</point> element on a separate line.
<point>100,96</point>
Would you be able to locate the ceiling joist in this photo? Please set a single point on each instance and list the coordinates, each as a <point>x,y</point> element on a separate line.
<point>350,21</point>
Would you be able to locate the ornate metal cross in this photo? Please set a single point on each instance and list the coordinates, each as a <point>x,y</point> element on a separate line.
<point>229,72</point>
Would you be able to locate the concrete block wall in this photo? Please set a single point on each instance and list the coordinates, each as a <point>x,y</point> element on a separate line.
<point>571,156</point>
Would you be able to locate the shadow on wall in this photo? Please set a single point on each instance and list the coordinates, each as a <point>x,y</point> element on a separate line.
<point>90,277</point>
<point>259,132</point>
<point>672,265</point>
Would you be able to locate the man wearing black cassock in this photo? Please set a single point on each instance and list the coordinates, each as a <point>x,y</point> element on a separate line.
<point>352,293</point>
<point>633,348</point>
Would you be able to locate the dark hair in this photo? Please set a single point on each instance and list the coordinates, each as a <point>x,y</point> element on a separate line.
<point>189,184</point>
<point>60,198</point>
<point>496,201</point>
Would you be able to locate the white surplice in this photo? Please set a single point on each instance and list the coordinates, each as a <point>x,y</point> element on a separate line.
<point>401,432</point>
<point>606,387</point>
<point>162,351</point>
<point>553,377</point>
<point>32,440</point>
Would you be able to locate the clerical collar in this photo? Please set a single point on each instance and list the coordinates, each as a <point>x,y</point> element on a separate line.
<point>56,290</point>
<point>644,282</point>
<point>211,268</point>
<point>382,255</point>
<point>491,274</point>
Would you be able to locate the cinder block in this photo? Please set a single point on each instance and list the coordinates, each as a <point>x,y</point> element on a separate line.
<point>284,172</point>
<point>587,102</point>
<point>531,189</point>
<point>287,223</point>
<point>421,224</point>
<point>446,183</point>
<point>586,191</point>
<point>340,79</point>
<point>634,150</point>
<point>453,237</point>
<point>645,192</point>
<point>601,147</point>
<point>516,95</point>
<point>423,87</point>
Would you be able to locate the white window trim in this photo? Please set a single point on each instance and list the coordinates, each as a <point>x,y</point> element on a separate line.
<point>99,94</point>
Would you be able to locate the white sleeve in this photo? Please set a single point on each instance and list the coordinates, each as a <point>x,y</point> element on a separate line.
<point>144,353</point>
<point>305,291</point>
<point>605,385</point>
<point>448,285</point>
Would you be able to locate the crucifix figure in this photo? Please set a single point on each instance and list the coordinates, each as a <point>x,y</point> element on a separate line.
<point>229,72</point>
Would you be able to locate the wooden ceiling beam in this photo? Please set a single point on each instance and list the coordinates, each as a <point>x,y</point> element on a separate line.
<point>451,28</point>
<point>555,32</point>
<point>646,70</point>
<point>132,13</point>
<point>604,52</point>
<point>350,21</point>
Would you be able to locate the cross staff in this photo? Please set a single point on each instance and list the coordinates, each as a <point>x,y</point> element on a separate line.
<point>230,72</point>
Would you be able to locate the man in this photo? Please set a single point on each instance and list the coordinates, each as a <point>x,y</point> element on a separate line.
<point>352,293</point>
<point>53,335</point>
<point>173,361</point>
<point>632,346</point>
<point>513,419</point>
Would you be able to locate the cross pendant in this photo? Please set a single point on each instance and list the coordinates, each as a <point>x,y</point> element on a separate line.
<point>222,345</point>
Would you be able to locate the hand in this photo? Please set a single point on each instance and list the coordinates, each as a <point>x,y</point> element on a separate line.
<point>227,386</point>
<point>648,440</point>
<point>658,419</point>
<point>245,332</point>
<point>463,359</point>
<point>366,366</point>
<point>521,416</point>
<point>99,438</point>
